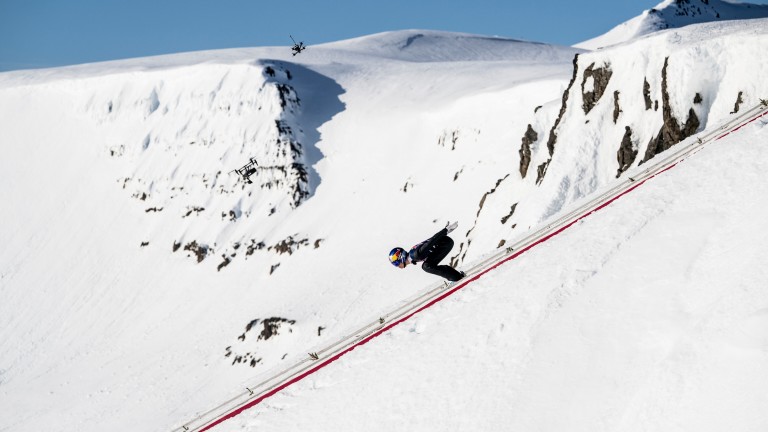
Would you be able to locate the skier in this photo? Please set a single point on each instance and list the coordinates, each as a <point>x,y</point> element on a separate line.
<point>431,251</point>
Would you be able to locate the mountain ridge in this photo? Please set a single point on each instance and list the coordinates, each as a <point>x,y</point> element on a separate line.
<point>670,14</point>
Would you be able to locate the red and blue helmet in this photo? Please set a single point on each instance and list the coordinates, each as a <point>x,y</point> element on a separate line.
<point>398,256</point>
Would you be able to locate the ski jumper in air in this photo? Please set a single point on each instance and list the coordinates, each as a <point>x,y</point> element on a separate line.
<point>430,252</point>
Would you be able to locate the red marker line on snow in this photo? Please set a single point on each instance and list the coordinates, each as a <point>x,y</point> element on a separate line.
<point>742,125</point>
<point>449,292</point>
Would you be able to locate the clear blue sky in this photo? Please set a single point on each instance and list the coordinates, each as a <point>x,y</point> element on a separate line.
<point>44,33</point>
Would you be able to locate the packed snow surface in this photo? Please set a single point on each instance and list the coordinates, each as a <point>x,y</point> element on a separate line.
<point>651,314</point>
<point>142,282</point>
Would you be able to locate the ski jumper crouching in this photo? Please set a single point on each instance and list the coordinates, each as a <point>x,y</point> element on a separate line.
<point>430,252</point>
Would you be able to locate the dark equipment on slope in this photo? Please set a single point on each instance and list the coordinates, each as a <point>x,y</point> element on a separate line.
<point>247,170</point>
<point>297,47</point>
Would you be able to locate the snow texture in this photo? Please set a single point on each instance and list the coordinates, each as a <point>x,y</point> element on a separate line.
<point>141,282</point>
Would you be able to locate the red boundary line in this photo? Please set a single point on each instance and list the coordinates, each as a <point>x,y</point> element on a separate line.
<point>446,294</point>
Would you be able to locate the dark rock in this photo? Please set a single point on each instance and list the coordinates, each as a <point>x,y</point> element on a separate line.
<point>288,245</point>
<point>647,95</point>
<point>485,195</point>
<point>541,171</point>
<point>193,209</point>
<point>529,138</point>
<point>671,132</point>
<point>287,95</point>
<point>454,139</point>
<point>201,251</point>
<point>616,108</point>
<point>224,263</point>
<point>739,101</point>
<point>511,212</point>
<point>271,327</point>
<point>627,152</point>
<point>552,135</point>
<point>253,247</point>
<point>600,77</point>
<point>273,268</point>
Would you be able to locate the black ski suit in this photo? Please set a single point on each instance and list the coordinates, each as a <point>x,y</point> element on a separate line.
<point>432,251</point>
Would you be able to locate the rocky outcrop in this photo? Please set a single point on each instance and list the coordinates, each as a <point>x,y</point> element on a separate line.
<point>616,107</point>
<point>739,101</point>
<point>552,140</point>
<point>464,248</point>
<point>529,138</point>
<point>627,152</point>
<point>511,212</point>
<point>541,170</point>
<point>552,135</point>
<point>288,245</point>
<point>270,328</point>
<point>199,250</point>
<point>599,82</point>
<point>671,132</point>
<point>647,95</point>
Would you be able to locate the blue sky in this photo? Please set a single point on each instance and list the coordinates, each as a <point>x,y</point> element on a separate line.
<point>44,33</point>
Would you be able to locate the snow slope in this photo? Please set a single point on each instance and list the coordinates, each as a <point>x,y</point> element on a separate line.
<point>141,282</point>
<point>651,314</point>
<point>674,14</point>
<point>104,158</point>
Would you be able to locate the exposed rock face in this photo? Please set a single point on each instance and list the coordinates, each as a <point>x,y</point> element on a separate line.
<point>288,245</point>
<point>290,175</point>
<point>739,101</point>
<point>264,122</point>
<point>511,212</point>
<point>459,257</point>
<point>199,250</point>
<point>542,169</point>
<point>627,152</point>
<point>529,138</point>
<point>270,328</point>
<point>600,78</point>
<point>671,133</point>
<point>552,135</point>
<point>647,95</point>
<point>616,107</point>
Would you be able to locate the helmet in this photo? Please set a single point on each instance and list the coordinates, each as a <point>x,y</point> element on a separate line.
<point>397,256</point>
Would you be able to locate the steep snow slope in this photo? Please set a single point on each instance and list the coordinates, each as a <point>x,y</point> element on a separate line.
<point>674,14</point>
<point>651,314</point>
<point>622,107</point>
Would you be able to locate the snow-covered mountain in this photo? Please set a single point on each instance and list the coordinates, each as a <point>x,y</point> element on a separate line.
<point>674,14</point>
<point>142,281</point>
